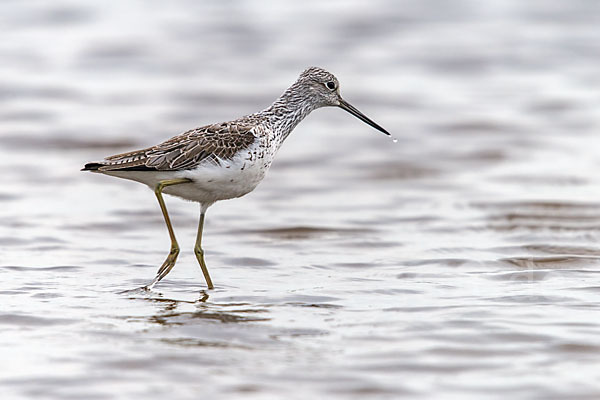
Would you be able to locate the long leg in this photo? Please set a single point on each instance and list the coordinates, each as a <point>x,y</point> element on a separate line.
<point>198,249</point>
<point>169,263</point>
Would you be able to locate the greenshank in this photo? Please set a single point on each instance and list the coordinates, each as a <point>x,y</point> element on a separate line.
<point>225,160</point>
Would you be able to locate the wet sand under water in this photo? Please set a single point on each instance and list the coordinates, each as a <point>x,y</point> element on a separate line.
<point>461,262</point>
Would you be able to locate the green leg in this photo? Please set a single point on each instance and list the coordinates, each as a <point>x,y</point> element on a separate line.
<point>169,263</point>
<point>200,253</point>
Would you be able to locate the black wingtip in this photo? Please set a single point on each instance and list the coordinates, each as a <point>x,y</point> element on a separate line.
<point>93,166</point>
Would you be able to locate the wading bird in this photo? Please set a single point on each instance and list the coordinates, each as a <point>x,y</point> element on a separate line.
<point>225,160</point>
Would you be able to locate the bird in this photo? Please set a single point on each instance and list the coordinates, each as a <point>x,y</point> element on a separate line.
<point>224,160</point>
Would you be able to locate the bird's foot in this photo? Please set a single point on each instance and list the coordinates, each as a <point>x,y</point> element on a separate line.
<point>165,268</point>
<point>200,257</point>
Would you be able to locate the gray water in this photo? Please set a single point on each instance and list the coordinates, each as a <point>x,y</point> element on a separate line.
<point>461,262</point>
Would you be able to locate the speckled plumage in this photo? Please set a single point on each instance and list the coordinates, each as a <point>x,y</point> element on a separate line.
<point>229,159</point>
<point>187,150</point>
<point>212,143</point>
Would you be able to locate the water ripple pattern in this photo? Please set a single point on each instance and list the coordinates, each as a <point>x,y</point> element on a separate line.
<point>462,261</point>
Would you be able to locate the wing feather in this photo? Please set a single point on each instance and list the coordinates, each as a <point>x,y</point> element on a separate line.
<point>187,150</point>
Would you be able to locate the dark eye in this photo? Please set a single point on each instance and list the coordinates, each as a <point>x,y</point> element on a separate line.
<point>330,85</point>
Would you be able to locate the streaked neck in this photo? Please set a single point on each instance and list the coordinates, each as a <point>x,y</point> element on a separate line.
<point>288,110</point>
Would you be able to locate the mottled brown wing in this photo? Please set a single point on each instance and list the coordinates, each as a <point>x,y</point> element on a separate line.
<point>186,151</point>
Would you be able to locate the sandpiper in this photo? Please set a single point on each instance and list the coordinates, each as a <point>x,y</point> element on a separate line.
<point>224,160</point>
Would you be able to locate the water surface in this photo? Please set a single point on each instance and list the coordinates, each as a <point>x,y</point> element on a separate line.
<point>461,262</point>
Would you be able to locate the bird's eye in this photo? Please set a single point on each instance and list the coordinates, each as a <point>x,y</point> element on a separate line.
<point>330,85</point>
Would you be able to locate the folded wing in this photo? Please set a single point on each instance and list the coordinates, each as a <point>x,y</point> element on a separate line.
<point>186,151</point>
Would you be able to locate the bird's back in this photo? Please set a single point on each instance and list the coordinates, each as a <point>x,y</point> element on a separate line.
<point>210,143</point>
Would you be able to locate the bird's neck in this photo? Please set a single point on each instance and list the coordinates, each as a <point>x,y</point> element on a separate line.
<point>288,110</point>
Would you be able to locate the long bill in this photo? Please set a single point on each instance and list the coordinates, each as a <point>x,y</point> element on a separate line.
<point>344,105</point>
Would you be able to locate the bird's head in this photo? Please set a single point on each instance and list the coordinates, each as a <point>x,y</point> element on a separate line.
<point>323,88</point>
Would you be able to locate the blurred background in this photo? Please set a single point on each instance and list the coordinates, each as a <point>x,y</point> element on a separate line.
<point>460,262</point>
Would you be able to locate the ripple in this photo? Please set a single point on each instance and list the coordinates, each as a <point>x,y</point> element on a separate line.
<point>10,91</point>
<point>368,244</point>
<point>303,299</point>
<point>522,276</point>
<point>468,352</point>
<point>563,249</point>
<point>183,318</point>
<point>538,205</point>
<point>43,268</point>
<point>576,348</point>
<point>551,107</point>
<point>191,342</point>
<point>114,51</point>
<point>248,262</point>
<point>536,249</point>
<point>305,232</point>
<point>594,289</point>
<point>544,179</point>
<point>47,295</point>
<point>358,265</point>
<point>27,115</point>
<point>4,197</point>
<point>14,241</point>
<point>398,171</point>
<point>532,299</point>
<point>449,262</point>
<point>62,142</point>
<point>479,126</point>
<point>49,15</point>
<point>557,262</point>
<point>23,320</point>
<point>555,217</point>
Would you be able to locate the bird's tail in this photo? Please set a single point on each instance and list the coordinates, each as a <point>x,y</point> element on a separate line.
<point>93,166</point>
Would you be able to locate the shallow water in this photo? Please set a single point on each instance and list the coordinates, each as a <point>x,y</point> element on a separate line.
<point>460,262</point>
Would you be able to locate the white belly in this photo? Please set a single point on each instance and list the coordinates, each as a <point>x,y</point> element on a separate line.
<point>210,182</point>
